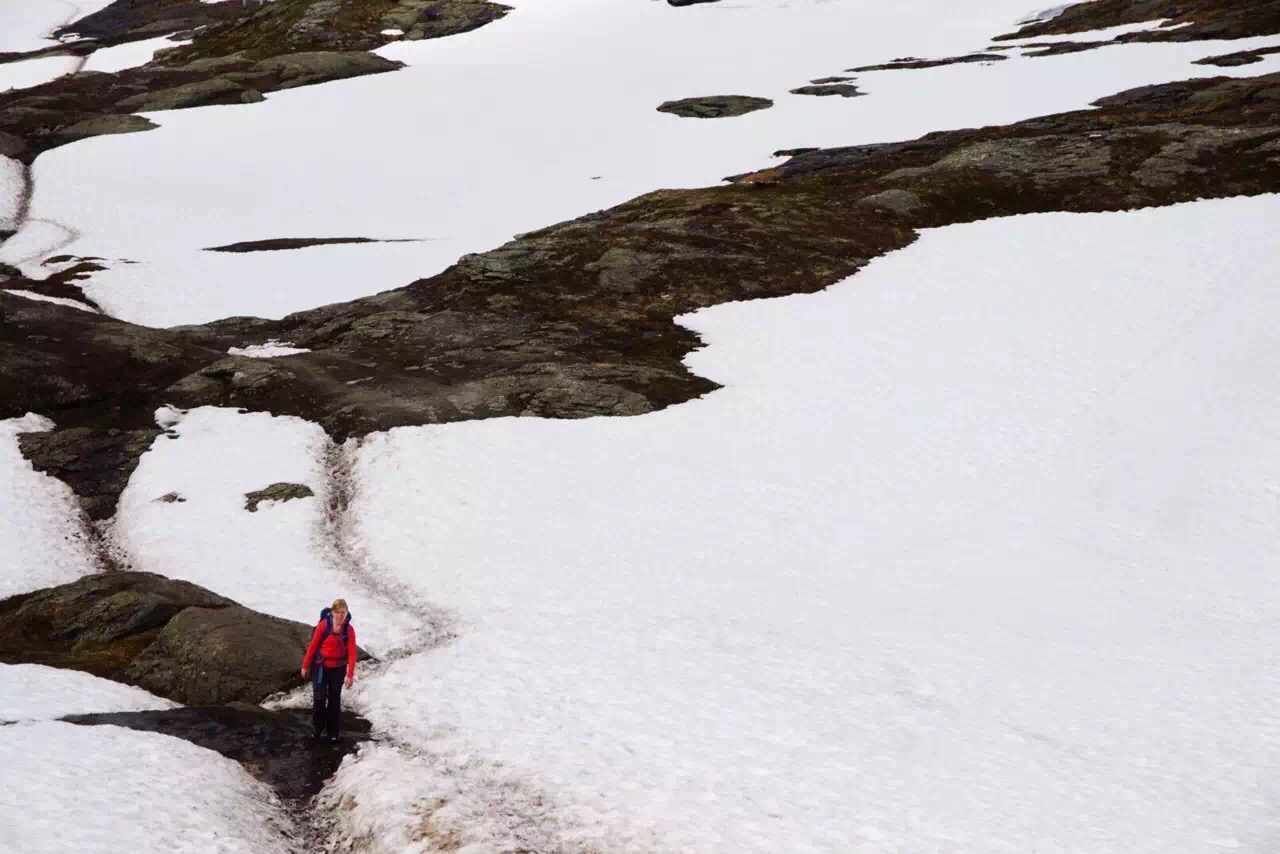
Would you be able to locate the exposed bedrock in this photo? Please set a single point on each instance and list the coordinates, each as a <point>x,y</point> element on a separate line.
<point>576,319</point>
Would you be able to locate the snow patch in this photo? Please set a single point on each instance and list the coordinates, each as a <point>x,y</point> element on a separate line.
<point>111,790</point>
<point>40,519</point>
<point>1045,14</point>
<point>36,692</point>
<point>269,350</point>
<point>129,54</point>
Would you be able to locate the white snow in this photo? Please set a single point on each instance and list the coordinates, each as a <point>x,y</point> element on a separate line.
<point>116,791</point>
<point>12,186</point>
<point>55,300</point>
<point>26,24</point>
<point>40,527</point>
<point>1044,15</point>
<point>279,559</point>
<point>33,72</point>
<point>569,90</point>
<point>393,31</point>
<point>32,691</point>
<point>974,553</point>
<point>269,350</point>
<point>128,55</point>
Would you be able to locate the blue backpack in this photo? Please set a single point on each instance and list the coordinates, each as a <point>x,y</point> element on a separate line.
<point>326,614</point>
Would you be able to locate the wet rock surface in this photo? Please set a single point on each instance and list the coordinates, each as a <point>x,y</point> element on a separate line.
<point>173,638</point>
<point>576,319</point>
<point>275,746</point>
<point>715,106</point>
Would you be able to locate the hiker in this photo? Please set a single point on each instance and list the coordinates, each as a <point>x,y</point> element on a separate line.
<point>331,652</point>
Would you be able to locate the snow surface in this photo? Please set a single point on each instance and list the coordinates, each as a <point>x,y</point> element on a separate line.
<point>961,559</point>
<point>40,520</point>
<point>269,350</point>
<point>12,186</point>
<point>55,300</point>
<point>33,72</point>
<point>568,85</point>
<point>110,790</point>
<point>279,559</point>
<point>26,24</point>
<point>33,691</point>
<point>128,55</point>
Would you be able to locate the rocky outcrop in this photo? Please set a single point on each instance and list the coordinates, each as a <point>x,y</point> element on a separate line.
<point>1185,20</point>
<point>276,492</point>
<point>274,746</point>
<point>576,319</point>
<point>689,2</point>
<point>279,243</point>
<point>715,106</point>
<point>843,90</point>
<point>173,638</point>
<point>1244,57</point>
<point>433,19</point>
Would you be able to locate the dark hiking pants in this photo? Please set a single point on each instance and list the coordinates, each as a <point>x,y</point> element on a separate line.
<point>326,699</point>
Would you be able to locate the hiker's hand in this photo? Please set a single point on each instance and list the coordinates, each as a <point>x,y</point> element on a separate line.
<point>349,681</point>
<point>305,673</point>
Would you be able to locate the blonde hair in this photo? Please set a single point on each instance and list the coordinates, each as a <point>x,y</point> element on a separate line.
<point>339,605</point>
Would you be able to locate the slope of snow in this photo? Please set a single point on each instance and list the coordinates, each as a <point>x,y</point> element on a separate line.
<point>280,559</point>
<point>26,25</point>
<point>116,791</point>
<point>974,552</point>
<point>543,116</point>
<point>35,692</point>
<point>40,521</point>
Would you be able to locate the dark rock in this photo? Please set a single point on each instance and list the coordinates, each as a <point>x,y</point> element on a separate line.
<point>172,638</point>
<point>98,624</point>
<point>689,2</point>
<point>844,90</point>
<point>1186,20</point>
<point>279,243</point>
<point>276,492</point>
<point>433,19</point>
<point>274,746</point>
<point>715,106</point>
<point>824,80</point>
<point>793,152</point>
<point>305,69</point>
<point>217,90</point>
<point>912,62</point>
<point>105,125</point>
<point>95,464</point>
<point>1244,57</point>
<point>216,655</point>
<point>10,145</point>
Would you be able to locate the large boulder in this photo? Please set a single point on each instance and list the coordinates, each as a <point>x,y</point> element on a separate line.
<point>715,106</point>
<point>172,638</point>
<point>205,656</point>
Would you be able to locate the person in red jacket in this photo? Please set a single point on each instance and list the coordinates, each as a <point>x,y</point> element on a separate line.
<point>332,652</point>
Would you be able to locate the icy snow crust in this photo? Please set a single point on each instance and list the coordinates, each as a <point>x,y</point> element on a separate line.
<point>115,791</point>
<point>543,116</point>
<point>35,692</point>
<point>40,524</point>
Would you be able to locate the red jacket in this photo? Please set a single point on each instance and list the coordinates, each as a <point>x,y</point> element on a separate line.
<point>334,650</point>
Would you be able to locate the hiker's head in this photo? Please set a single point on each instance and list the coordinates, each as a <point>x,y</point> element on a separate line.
<point>339,611</point>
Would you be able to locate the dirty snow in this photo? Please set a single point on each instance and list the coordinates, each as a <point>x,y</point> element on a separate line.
<point>40,520</point>
<point>962,559</point>
<point>110,790</point>
<point>578,100</point>
<point>36,692</point>
<point>12,186</point>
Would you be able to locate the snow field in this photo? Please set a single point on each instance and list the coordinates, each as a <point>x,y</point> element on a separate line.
<point>33,691</point>
<point>40,520</point>
<point>569,90</point>
<point>973,554</point>
<point>128,55</point>
<point>116,791</point>
<point>279,559</point>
